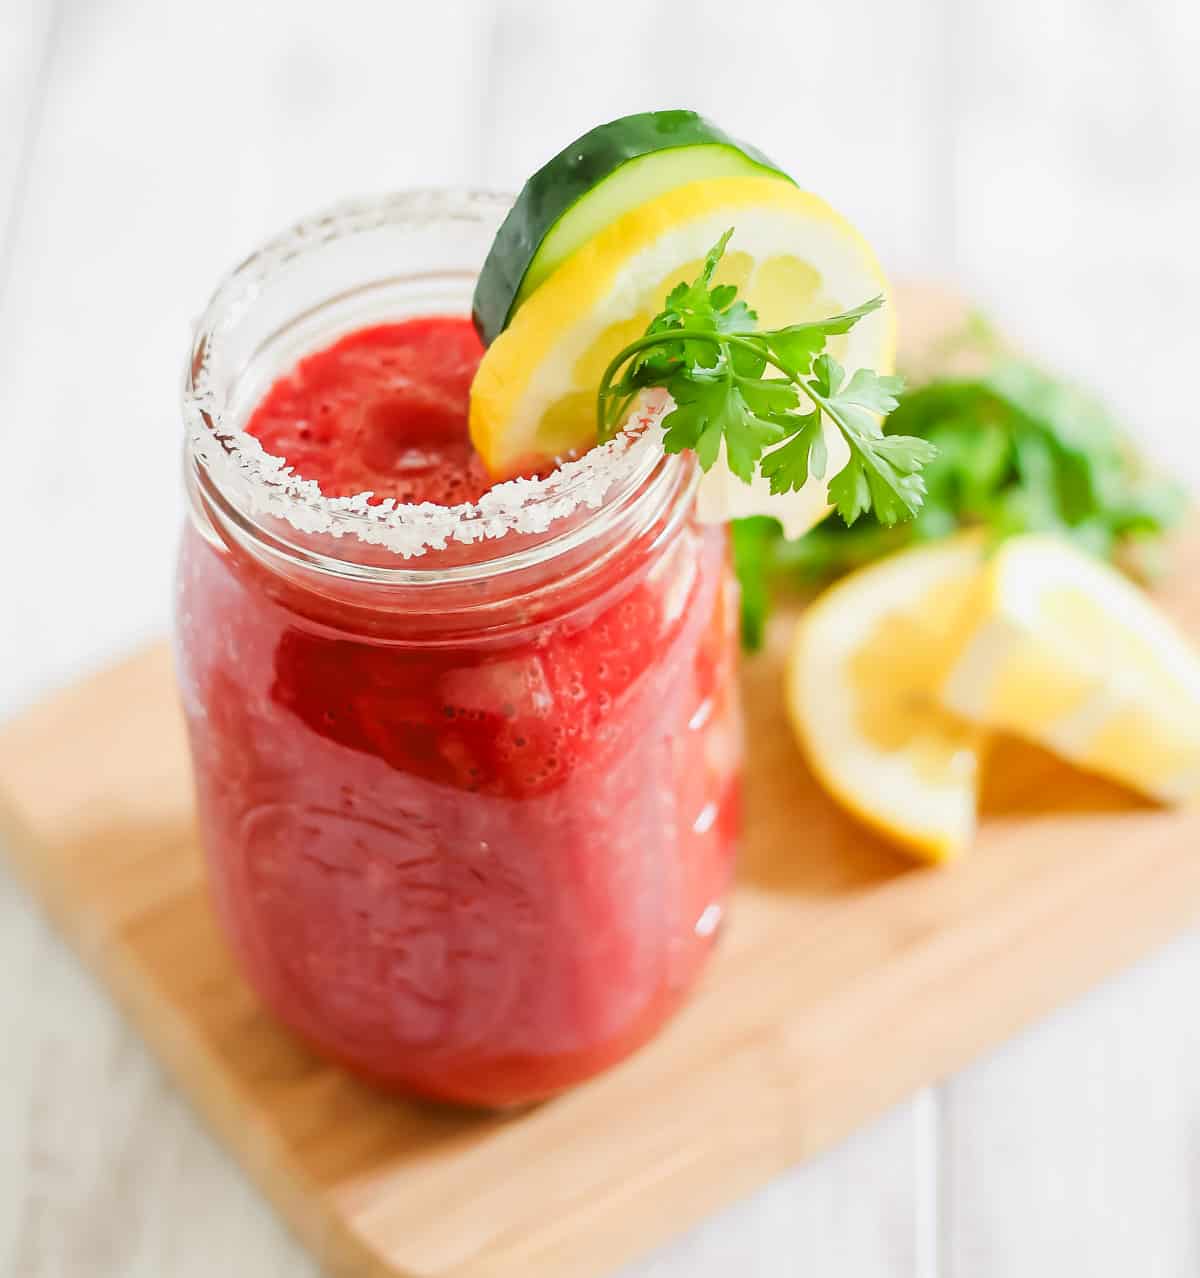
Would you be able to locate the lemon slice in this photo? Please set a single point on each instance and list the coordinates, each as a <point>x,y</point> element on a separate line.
<point>864,670</point>
<point>1062,650</point>
<point>792,257</point>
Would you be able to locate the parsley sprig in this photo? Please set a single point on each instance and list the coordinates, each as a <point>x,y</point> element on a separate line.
<point>764,395</point>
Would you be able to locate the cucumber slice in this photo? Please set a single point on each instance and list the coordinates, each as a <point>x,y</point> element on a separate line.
<point>589,184</point>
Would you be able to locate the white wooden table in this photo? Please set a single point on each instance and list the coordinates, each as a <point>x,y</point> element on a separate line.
<point>1045,153</point>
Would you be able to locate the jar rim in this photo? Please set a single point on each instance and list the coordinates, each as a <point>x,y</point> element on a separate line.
<point>256,483</point>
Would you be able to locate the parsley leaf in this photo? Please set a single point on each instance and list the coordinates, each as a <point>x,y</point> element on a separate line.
<point>805,454</point>
<point>883,473</point>
<point>762,398</point>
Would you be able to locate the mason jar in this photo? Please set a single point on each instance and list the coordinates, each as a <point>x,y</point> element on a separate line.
<point>467,777</point>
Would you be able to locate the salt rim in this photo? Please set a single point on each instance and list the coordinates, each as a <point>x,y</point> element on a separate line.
<point>266,484</point>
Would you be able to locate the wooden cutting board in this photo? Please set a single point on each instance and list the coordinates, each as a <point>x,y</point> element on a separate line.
<point>847,978</point>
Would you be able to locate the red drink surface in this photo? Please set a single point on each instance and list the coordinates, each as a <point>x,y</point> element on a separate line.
<point>478,867</point>
<point>383,410</point>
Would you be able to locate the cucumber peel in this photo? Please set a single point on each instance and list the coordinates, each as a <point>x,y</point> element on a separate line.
<point>587,186</point>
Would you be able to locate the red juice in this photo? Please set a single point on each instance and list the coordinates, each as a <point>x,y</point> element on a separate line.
<point>476,864</point>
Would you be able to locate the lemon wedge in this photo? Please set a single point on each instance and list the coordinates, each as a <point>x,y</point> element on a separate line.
<point>863,675</point>
<point>792,258</point>
<point>1064,651</point>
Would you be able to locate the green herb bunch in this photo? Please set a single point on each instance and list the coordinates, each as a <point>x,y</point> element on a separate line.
<point>1016,450</point>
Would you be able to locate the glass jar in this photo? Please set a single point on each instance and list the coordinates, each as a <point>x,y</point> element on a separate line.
<point>469,814</point>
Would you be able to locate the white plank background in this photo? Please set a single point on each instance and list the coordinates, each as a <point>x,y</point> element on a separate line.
<point>1044,152</point>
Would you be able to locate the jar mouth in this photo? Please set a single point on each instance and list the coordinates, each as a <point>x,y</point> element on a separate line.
<point>536,515</point>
